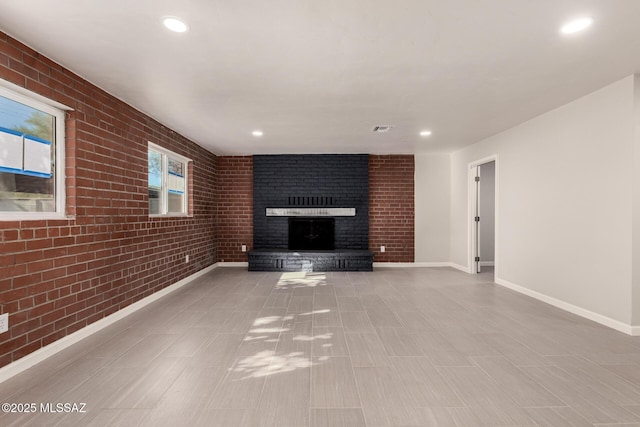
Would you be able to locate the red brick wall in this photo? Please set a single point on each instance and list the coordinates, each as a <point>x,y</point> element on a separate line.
<point>235,207</point>
<point>57,276</point>
<point>391,207</point>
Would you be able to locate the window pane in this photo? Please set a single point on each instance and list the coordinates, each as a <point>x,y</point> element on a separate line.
<point>176,187</point>
<point>155,182</point>
<point>27,158</point>
<point>176,203</point>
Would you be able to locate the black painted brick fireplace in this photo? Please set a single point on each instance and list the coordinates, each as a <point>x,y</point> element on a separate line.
<point>330,180</point>
<point>311,181</point>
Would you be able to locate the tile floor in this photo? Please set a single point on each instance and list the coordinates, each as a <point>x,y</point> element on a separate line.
<point>397,347</point>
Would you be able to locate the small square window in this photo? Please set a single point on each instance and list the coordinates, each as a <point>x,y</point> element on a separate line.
<point>168,182</point>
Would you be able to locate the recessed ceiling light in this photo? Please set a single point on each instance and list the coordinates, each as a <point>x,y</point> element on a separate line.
<point>425,133</point>
<point>175,24</point>
<point>576,25</point>
<point>257,133</point>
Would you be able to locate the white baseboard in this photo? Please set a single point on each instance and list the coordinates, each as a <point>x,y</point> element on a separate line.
<point>233,264</point>
<point>411,264</point>
<point>487,264</point>
<point>38,356</point>
<point>460,267</point>
<point>432,264</point>
<point>579,311</point>
<point>394,264</point>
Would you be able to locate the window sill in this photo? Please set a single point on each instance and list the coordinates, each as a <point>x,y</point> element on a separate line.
<point>171,216</point>
<point>33,216</point>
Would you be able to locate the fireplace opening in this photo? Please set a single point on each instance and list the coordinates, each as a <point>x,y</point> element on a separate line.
<point>311,234</point>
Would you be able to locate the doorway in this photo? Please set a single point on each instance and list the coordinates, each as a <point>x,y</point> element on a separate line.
<point>483,193</point>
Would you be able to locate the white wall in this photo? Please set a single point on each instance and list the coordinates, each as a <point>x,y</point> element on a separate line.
<point>636,207</point>
<point>487,211</point>
<point>432,208</point>
<point>564,205</point>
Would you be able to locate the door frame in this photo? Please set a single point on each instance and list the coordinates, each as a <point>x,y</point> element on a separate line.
<point>471,207</point>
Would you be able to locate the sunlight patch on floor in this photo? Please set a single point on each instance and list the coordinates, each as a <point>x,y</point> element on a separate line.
<point>301,279</point>
<point>266,320</point>
<point>266,363</point>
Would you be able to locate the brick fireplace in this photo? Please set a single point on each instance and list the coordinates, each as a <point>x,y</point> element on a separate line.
<point>314,205</point>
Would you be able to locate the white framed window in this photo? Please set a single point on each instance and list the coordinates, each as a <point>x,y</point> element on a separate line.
<point>168,182</point>
<point>32,180</point>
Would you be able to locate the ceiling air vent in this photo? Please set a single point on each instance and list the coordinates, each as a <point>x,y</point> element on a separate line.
<point>382,128</point>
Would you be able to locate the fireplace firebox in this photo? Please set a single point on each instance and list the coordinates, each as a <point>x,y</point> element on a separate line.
<point>311,234</point>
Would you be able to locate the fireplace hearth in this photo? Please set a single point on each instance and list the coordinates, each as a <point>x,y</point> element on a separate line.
<point>311,234</point>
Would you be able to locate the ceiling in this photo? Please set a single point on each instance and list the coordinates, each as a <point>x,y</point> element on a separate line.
<point>317,76</point>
